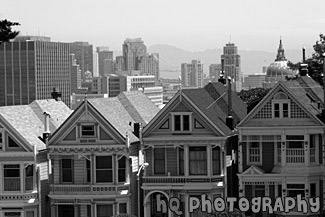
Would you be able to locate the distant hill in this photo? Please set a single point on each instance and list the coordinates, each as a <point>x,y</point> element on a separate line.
<point>252,62</point>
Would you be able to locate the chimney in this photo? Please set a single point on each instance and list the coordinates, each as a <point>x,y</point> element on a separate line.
<point>56,94</point>
<point>136,129</point>
<point>47,131</point>
<point>222,75</point>
<point>230,119</point>
<point>303,66</point>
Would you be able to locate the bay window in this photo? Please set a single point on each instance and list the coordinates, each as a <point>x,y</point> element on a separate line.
<point>122,169</point>
<point>159,161</point>
<point>11,175</point>
<point>197,161</point>
<point>104,169</point>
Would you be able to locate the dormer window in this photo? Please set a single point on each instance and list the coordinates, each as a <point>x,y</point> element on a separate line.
<point>280,106</point>
<point>1,141</point>
<point>87,130</point>
<point>182,122</point>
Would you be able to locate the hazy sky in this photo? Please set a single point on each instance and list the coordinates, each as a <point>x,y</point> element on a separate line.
<point>188,24</point>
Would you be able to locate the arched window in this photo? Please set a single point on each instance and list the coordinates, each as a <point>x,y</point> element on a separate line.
<point>281,105</point>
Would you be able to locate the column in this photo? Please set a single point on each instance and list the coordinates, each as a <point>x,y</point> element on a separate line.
<point>92,168</point>
<point>267,189</point>
<point>75,206</point>
<point>21,169</point>
<point>209,160</point>
<point>114,167</point>
<point>1,177</point>
<point>53,209</point>
<point>241,187</point>
<point>186,160</point>
<point>307,152</point>
<point>186,205</point>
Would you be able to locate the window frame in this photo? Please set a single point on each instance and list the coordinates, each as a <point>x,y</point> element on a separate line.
<point>19,176</point>
<point>88,136</point>
<point>189,160</point>
<point>71,170</point>
<point>182,114</point>
<point>109,169</point>
<point>1,140</point>
<point>163,159</point>
<point>281,103</point>
<point>120,159</point>
<point>104,204</point>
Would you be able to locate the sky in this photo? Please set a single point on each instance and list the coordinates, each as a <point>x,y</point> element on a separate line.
<point>187,24</point>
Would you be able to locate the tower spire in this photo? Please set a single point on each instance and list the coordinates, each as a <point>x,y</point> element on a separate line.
<point>280,55</point>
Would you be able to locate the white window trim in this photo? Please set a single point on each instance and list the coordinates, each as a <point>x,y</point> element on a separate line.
<point>247,152</point>
<point>95,130</point>
<point>181,114</point>
<point>153,162</point>
<point>2,142</point>
<point>95,168</point>
<point>281,102</point>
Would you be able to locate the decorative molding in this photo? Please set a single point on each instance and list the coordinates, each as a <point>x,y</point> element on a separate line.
<point>87,149</point>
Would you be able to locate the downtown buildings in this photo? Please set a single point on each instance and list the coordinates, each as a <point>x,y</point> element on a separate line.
<point>30,67</point>
<point>192,74</point>
<point>232,68</point>
<point>84,55</point>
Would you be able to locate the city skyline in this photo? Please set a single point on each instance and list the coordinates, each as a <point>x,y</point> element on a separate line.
<point>252,25</point>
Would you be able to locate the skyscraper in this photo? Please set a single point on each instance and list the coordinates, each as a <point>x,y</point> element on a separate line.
<point>95,65</point>
<point>30,67</point>
<point>103,54</point>
<point>84,55</point>
<point>232,65</point>
<point>133,50</point>
<point>149,65</point>
<point>75,75</point>
<point>192,74</point>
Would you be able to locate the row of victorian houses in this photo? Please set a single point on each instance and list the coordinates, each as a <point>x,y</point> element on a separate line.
<point>114,155</point>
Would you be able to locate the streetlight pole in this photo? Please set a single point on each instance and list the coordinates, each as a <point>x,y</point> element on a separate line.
<point>139,177</point>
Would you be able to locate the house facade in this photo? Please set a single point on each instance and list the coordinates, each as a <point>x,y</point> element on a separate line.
<point>91,174</point>
<point>185,152</point>
<point>23,156</point>
<point>281,149</point>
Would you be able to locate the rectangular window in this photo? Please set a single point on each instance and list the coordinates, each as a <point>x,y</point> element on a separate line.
<point>312,190</point>
<point>87,130</point>
<point>29,175</point>
<point>122,208</point>
<point>186,122</point>
<point>105,210</point>
<point>294,189</point>
<point>254,152</point>
<point>181,161</point>
<point>276,110</point>
<point>285,110</point>
<point>216,161</point>
<point>159,160</point>
<point>11,174</point>
<point>66,170</point>
<point>177,123</point>
<point>0,141</point>
<point>198,160</point>
<point>104,169</point>
<point>122,169</point>
<point>88,170</point>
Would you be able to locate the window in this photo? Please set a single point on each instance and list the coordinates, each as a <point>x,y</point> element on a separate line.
<point>295,189</point>
<point>312,190</point>
<point>198,160</point>
<point>11,177</point>
<point>122,169</point>
<point>12,143</point>
<point>216,161</point>
<point>281,105</point>
<point>122,208</point>
<point>254,152</point>
<point>104,169</point>
<point>181,161</point>
<point>29,174</point>
<point>87,130</point>
<point>159,160</point>
<point>181,122</point>
<point>66,170</point>
<point>0,141</point>
<point>88,170</point>
<point>105,210</point>
<point>295,152</point>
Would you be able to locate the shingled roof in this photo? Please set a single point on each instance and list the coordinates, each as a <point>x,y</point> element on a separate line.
<point>127,107</point>
<point>28,120</point>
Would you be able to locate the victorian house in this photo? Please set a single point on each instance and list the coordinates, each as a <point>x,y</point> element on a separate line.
<point>281,152</point>
<point>92,158</point>
<point>187,147</point>
<point>23,156</point>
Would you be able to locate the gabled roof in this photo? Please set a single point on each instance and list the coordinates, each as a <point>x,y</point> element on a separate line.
<point>217,89</point>
<point>205,103</point>
<point>303,90</point>
<point>125,108</point>
<point>28,120</point>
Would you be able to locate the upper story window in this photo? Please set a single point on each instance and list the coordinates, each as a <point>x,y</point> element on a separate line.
<point>66,170</point>
<point>216,167</point>
<point>182,122</point>
<point>1,141</point>
<point>104,169</point>
<point>29,177</point>
<point>280,105</point>
<point>159,160</point>
<point>198,160</point>
<point>11,174</point>
<point>122,169</point>
<point>87,130</point>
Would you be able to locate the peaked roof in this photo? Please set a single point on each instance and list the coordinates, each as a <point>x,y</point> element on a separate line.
<point>303,89</point>
<point>127,107</point>
<point>28,120</point>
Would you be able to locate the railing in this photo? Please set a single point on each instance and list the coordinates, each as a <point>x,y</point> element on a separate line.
<point>179,180</point>
<point>89,189</point>
<point>11,184</point>
<point>29,185</point>
<point>295,155</point>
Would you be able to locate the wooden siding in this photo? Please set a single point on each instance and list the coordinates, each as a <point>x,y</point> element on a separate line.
<point>79,170</point>
<point>171,157</point>
<point>267,156</point>
<point>56,169</point>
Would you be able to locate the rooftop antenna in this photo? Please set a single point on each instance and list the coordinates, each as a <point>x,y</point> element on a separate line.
<point>229,38</point>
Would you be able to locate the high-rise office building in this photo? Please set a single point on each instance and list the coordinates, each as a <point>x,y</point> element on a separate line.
<point>30,67</point>
<point>103,54</point>
<point>149,65</point>
<point>232,65</point>
<point>133,50</point>
<point>75,74</point>
<point>214,72</point>
<point>192,74</point>
<point>95,65</point>
<point>119,64</point>
<point>84,55</point>
<point>109,66</point>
